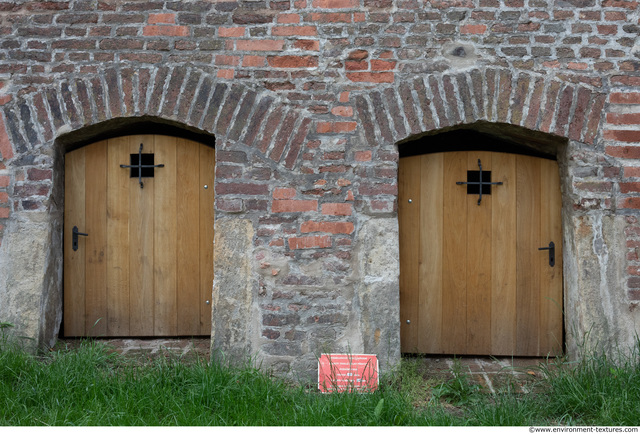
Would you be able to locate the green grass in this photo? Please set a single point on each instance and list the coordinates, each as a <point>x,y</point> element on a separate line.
<point>91,385</point>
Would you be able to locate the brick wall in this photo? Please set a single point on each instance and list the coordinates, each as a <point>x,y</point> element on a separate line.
<point>307,100</point>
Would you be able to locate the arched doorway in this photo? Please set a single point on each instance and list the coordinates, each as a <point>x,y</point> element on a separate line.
<point>473,279</point>
<point>146,266</point>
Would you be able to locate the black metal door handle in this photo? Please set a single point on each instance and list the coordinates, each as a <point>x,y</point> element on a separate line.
<point>552,253</point>
<point>75,237</point>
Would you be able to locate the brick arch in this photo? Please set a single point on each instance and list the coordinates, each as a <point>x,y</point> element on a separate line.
<point>439,101</point>
<point>234,113</point>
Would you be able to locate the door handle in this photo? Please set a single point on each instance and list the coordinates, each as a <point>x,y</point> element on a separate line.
<point>74,242</point>
<point>552,253</point>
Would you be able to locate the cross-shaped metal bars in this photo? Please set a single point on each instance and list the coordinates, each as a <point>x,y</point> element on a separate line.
<point>140,166</point>
<point>480,183</point>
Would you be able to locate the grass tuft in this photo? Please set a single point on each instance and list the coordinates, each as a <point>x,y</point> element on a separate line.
<point>92,385</point>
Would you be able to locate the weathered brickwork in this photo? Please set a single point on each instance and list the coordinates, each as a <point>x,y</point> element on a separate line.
<point>309,101</point>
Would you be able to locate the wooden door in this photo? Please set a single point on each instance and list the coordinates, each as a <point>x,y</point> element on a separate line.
<point>146,266</point>
<point>472,277</point>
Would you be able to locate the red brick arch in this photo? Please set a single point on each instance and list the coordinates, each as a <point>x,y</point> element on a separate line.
<point>233,112</point>
<point>525,99</point>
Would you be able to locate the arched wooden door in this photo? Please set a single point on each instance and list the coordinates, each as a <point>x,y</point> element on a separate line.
<point>472,277</point>
<point>146,266</point>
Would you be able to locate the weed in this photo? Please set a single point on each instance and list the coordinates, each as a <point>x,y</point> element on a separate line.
<point>459,390</point>
<point>4,336</point>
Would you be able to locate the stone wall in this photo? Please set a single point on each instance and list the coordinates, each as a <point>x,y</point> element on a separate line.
<point>309,101</point>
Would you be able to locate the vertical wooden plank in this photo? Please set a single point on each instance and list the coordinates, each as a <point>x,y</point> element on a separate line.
<point>551,302</point>
<point>409,224</point>
<point>430,254</point>
<point>528,255</point>
<point>479,263</point>
<point>503,254</point>
<point>165,237</point>
<point>207,176</point>
<point>96,242</point>
<point>454,274</point>
<point>118,237</point>
<point>74,261</point>
<point>141,226</point>
<point>188,239</point>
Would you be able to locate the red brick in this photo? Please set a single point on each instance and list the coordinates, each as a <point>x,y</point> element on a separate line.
<point>336,4</point>
<point>331,17</point>
<point>294,205</point>
<point>358,55</point>
<point>623,118</point>
<point>320,241</point>
<point>622,135</point>
<point>4,213</point>
<point>166,31</point>
<point>629,187</point>
<point>294,31</point>
<point>594,117</point>
<point>4,181</point>
<point>629,202</point>
<point>359,65</point>
<point>615,16</point>
<point>241,188</point>
<point>564,108</point>
<point>383,65</point>
<point>371,77</point>
<point>5,144</point>
<point>607,29</point>
<point>307,45</point>
<point>476,29</point>
<point>632,172</point>
<point>228,60</point>
<point>260,45</point>
<point>297,142</point>
<point>577,66</point>
<point>330,227</point>
<point>228,205</point>
<point>625,98</point>
<point>335,155</point>
<point>35,174</point>
<point>363,156</point>
<point>624,151</point>
<point>28,190</point>
<point>336,208</point>
<point>284,193</point>
<point>594,187</point>
<point>378,188</point>
<point>577,120</point>
<point>344,111</point>
<point>383,205</point>
<point>528,27</point>
<point>253,61</point>
<point>270,129</point>
<point>227,74</point>
<point>278,242</point>
<point>336,127</point>
<point>162,18</point>
<point>625,80</point>
<point>4,197</point>
<point>293,61</point>
<point>231,32</point>
<point>288,18</point>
